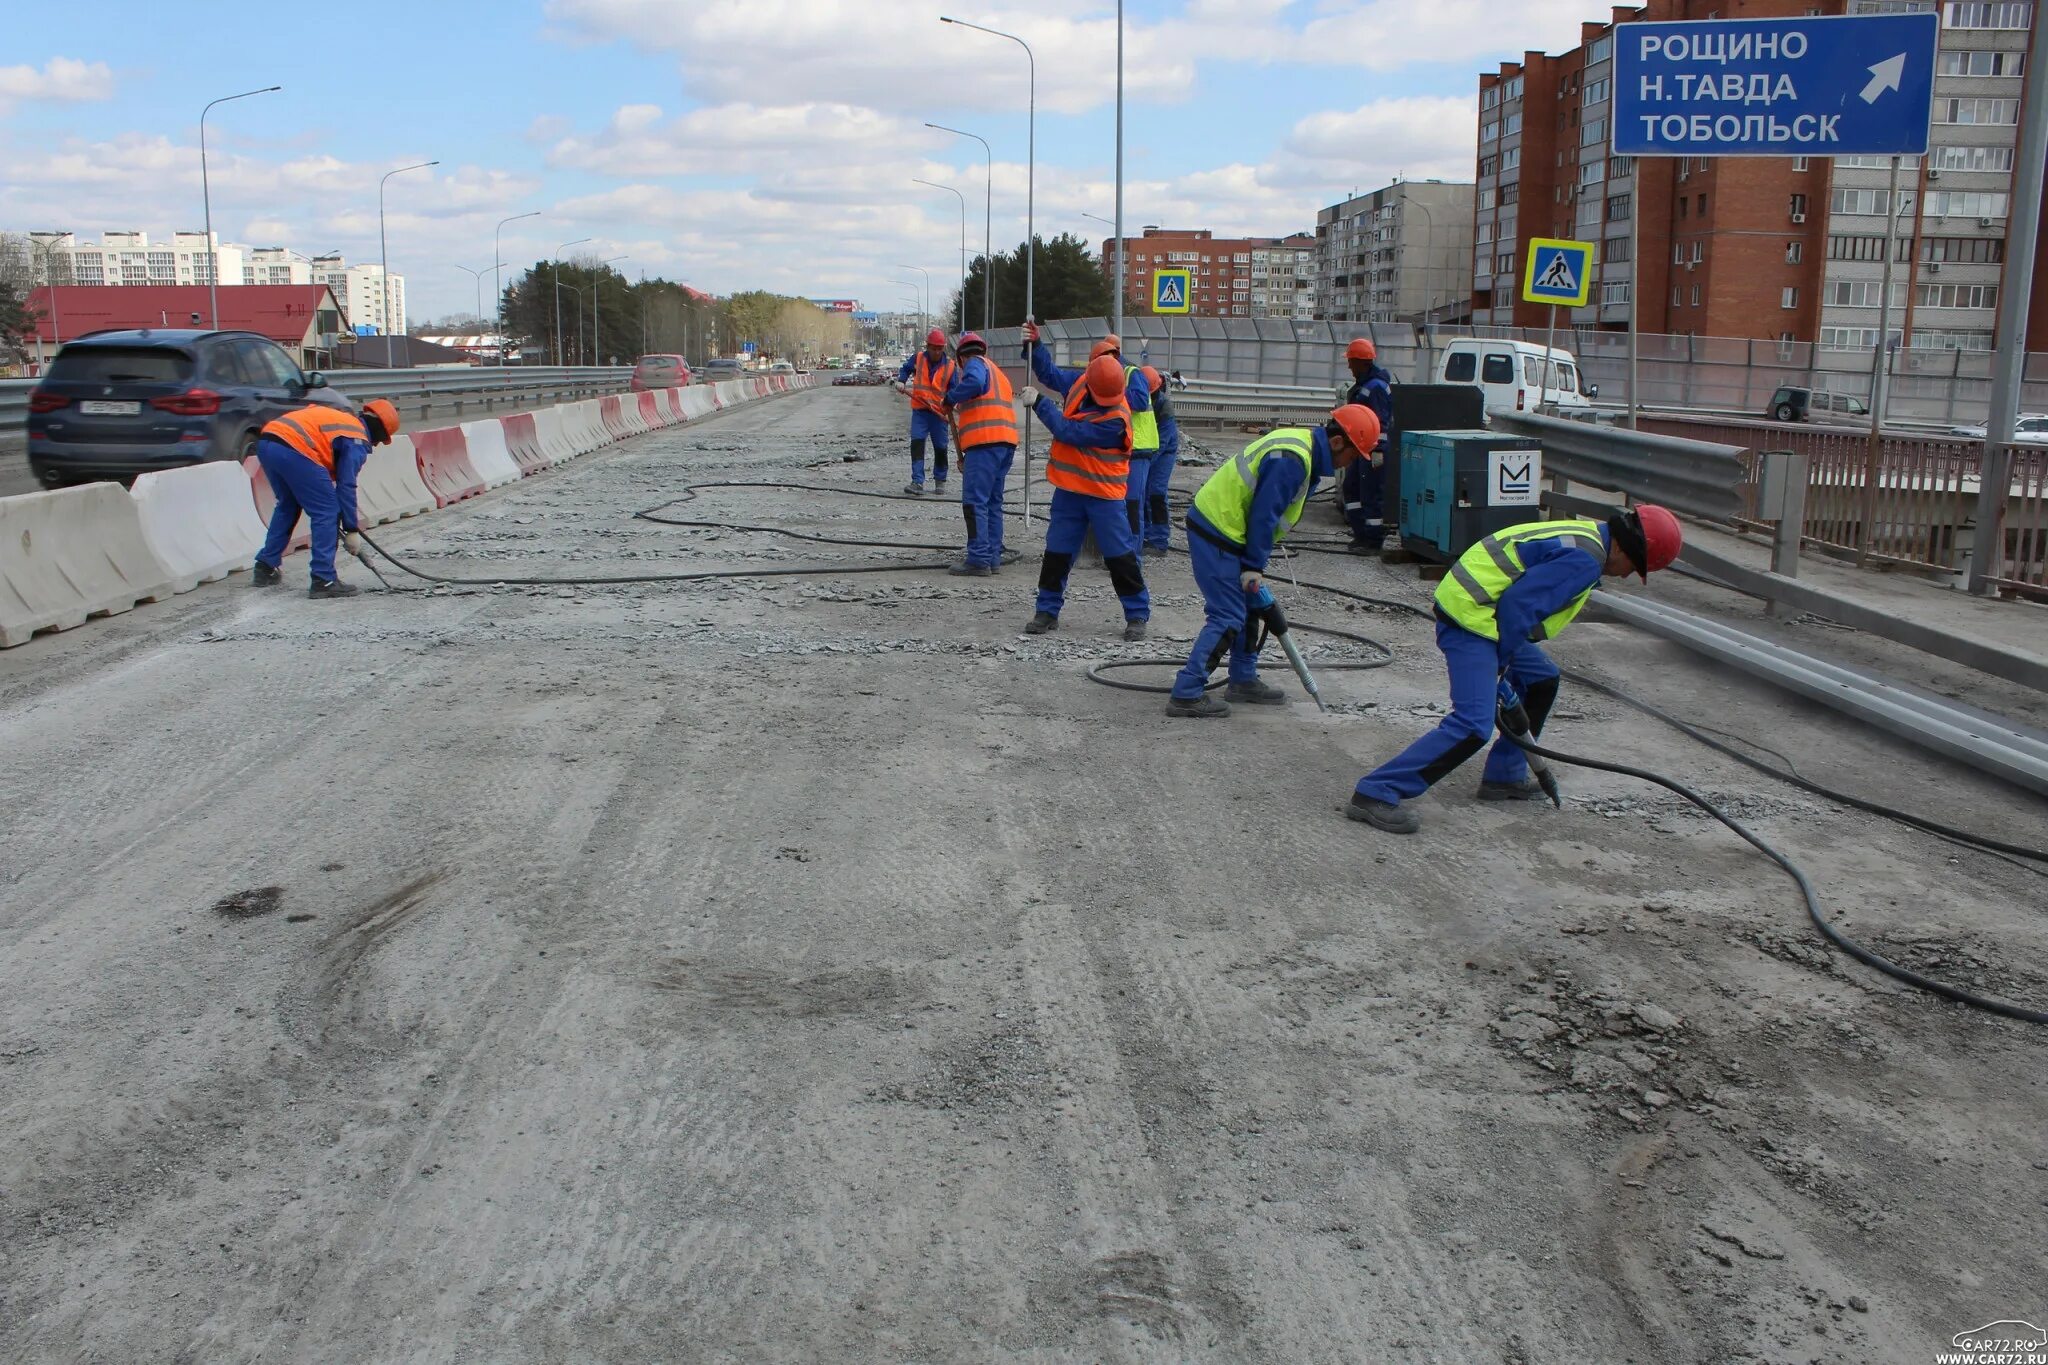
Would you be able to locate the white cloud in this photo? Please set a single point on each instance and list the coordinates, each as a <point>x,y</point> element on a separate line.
<point>64,79</point>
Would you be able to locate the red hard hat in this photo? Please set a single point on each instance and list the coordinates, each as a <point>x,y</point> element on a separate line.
<point>1109,345</point>
<point>970,341</point>
<point>1662,538</point>
<point>1152,379</point>
<point>935,337</point>
<point>1361,349</point>
<point>1360,424</point>
<point>1105,379</point>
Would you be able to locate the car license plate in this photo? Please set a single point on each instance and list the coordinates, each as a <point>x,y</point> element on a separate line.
<point>100,408</point>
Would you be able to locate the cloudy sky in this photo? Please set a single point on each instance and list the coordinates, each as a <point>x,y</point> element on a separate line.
<point>736,143</point>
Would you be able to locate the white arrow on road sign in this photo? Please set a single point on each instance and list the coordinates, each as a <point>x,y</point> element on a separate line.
<point>1886,75</point>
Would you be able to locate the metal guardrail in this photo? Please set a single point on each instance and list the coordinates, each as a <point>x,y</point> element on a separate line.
<point>1697,478</point>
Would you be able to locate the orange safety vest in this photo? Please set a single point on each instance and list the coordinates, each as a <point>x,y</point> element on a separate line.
<point>989,420</point>
<point>928,386</point>
<point>313,430</point>
<point>1092,473</point>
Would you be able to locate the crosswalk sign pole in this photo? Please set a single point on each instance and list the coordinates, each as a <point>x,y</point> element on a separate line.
<point>1549,344</point>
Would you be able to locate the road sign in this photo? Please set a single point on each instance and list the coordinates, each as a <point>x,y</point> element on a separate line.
<point>1853,86</point>
<point>1173,291</point>
<point>1559,272</point>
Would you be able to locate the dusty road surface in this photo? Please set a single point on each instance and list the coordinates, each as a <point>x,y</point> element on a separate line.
<point>815,969</point>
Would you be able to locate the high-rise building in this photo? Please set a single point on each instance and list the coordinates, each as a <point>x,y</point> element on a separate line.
<point>1231,277</point>
<point>1397,254</point>
<point>1284,278</point>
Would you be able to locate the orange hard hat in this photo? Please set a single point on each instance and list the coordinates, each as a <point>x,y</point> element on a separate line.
<point>1663,538</point>
<point>935,337</point>
<point>1361,349</point>
<point>386,415</point>
<point>1152,379</point>
<point>1109,345</point>
<point>1105,379</point>
<point>1360,425</point>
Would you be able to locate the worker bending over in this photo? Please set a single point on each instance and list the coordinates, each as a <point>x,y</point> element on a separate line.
<point>986,424</point>
<point>925,377</point>
<point>1372,386</point>
<point>1150,512</point>
<point>1087,467</point>
<point>312,458</point>
<point>1239,517</point>
<point>1506,592</point>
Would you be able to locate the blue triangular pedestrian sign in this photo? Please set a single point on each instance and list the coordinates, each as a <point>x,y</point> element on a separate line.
<point>1559,272</point>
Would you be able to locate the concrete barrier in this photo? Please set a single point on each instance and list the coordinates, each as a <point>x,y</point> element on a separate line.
<point>70,555</point>
<point>522,439</point>
<point>390,485</point>
<point>200,521</point>
<point>488,454</point>
<point>266,503</point>
<point>445,466</point>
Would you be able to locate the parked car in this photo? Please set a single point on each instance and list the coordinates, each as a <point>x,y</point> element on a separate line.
<point>120,403</point>
<point>660,372</point>
<point>1792,404</point>
<point>721,367</point>
<point>1511,375</point>
<point>782,367</point>
<point>2031,429</point>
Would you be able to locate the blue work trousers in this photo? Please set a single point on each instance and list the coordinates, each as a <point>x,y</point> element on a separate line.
<point>981,494</point>
<point>1228,606</point>
<point>298,484</point>
<point>927,426</point>
<point>1361,493</point>
<point>1474,662</point>
<point>1158,512</point>
<point>1134,494</point>
<point>1067,519</point>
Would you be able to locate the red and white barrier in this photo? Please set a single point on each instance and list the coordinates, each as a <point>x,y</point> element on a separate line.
<point>488,454</point>
<point>552,436</point>
<point>670,401</point>
<point>390,486</point>
<point>199,521</point>
<point>611,412</point>
<point>72,554</point>
<point>522,438</point>
<point>650,412</point>
<point>445,466</point>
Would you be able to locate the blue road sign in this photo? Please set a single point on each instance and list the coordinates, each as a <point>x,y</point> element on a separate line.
<point>1857,86</point>
<point>1560,272</point>
<point>1173,290</point>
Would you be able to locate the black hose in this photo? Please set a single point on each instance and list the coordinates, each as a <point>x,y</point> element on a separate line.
<point>1095,671</point>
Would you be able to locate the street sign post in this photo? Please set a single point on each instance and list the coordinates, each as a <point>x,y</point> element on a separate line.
<point>1173,291</point>
<point>1560,271</point>
<point>1851,86</point>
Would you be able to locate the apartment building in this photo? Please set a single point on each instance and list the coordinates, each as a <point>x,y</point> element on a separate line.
<point>1776,248</point>
<point>1397,254</point>
<point>1233,277</point>
<point>363,293</point>
<point>1284,278</point>
<point>131,258</point>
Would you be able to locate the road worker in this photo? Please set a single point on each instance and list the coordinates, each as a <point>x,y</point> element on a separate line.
<point>1158,518</point>
<point>1239,517</point>
<point>986,428</point>
<point>1505,593</point>
<point>1372,386</point>
<point>925,377</point>
<point>312,458</point>
<point>1091,445</point>
<point>1137,392</point>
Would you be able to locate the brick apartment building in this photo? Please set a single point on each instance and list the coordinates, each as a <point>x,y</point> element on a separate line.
<point>1241,277</point>
<point>1777,248</point>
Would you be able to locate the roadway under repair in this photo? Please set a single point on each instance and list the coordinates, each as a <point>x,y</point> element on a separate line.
<point>815,968</point>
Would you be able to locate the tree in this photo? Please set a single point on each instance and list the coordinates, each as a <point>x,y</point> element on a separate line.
<point>1069,283</point>
<point>18,317</point>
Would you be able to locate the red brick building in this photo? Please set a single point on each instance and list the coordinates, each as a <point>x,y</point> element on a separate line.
<point>1233,276</point>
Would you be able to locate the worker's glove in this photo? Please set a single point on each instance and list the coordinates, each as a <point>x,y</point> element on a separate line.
<point>1030,331</point>
<point>1031,395</point>
<point>900,387</point>
<point>1249,580</point>
<point>353,543</point>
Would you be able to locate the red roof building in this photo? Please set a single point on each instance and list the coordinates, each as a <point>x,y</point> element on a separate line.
<point>302,318</point>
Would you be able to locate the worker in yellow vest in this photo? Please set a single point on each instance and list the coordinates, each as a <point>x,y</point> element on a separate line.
<point>985,423</point>
<point>1239,517</point>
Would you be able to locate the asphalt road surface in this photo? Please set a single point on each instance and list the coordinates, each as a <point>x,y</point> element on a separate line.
<point>815,969</point>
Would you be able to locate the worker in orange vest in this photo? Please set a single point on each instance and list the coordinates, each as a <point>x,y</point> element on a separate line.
<point>1088,468</point>
<point>925,377</point>
<point>986,433</point>
<point>312,458</point>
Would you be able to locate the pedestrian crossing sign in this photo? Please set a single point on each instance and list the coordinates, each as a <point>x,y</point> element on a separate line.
<point>1173,291</point>
<point>1559,272</point>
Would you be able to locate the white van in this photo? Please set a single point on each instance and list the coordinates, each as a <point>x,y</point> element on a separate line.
<point>1511,373</point>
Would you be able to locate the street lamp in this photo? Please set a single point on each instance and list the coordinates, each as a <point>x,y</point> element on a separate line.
<point>497,279</point>
<point>383,248</point>
<point>206,195</point>
<point>988,200</point>
<point>1119,276</point>
<point>1116,322</point>
<point>50,283</point>
<point>557,263</point>
<point>933,184</point>
<point>926,312</point>
<point>596,292</point>
<point>479,289</point>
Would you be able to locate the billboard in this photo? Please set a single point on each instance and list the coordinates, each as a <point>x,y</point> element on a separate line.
<point>838,305</point>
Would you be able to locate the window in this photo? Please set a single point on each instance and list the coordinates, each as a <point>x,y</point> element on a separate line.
<point>1997,14</point>
<point>1459,367</point>
<point>1489,165</point>
<point>1490,98</point>
<point>1678,253</point>
<point>1848,338</point>
<point>1510,194</point>
<point>1798,206</point>
<point>1615,291</point>
<point>1944,339</point>
<point>1971,159</point>
<point>1594,133</point>
<point>1695,296</point>
<point>1677,297</point>
<point>1868,202</point>
<point>1795,252</point>
<point>1876,163</point>
<point>1598,91</point>
<point>1683,204</point>
<point>1963,250</point>
<point>1599,50</point>
<point>1856,247</point>
<point>1801,163</point>
<point>1967,204</point>
<point>1960,63</point>
<point>1974,110</point>
<point>1788,298</point>
<point>1510,158</point>
<point>1861,294</point>
<point>1619,207</point>
<point>1512,123</point>
<point>1592,171</point>
<point>1614,249</point>
<point>1498,369</point>
<point>1956,295</point>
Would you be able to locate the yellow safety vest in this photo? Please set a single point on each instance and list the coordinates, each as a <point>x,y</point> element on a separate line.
<point>1225,499</point>
<point>1473,588</point>
<point>1144,425</point>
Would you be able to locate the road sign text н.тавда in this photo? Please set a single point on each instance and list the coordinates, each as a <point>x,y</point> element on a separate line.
<point>1856,86</point>
<point>1560,272</point>
<point>1173,291</point>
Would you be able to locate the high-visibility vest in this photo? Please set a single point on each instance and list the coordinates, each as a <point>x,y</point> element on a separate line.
<point>1472,590</point>
<point>1225,499</point>
<point>1092,473</point>
<point>928,384</point>
<point>1144,425</point>
<point>313,430</point>
<point>989,420</point>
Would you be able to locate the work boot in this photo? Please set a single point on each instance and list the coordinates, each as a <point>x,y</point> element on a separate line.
<point>1256,693</point>
<point>1134,631</point>
<point>1158,551</point>
<point>1391,816</point>
<point>1528,789</point>
<point>1202,707</point>
<point>963,569</point>
<point>916,490</point>
<point>1041,622</point>
<point>263,576</point>
<point>1365,547</point>
<point>332,587</point>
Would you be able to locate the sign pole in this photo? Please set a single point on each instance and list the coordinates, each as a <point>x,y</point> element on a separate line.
<point>1873,462</point>
<point>1549,344</point>
<point>1635,292</point>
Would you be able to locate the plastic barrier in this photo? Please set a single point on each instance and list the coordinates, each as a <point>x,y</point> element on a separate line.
<point>591,433</point>
<point>697,402</point>
<point>650,412</point>
<point>266,503</point>
<point>522,439</point>
<point>551,436</point>
<point>730,391</point>
<point>629,414</point>
<point>390,485</point>
<point>610,411</point>
<point>200,521</point>
<point>672,401</point>
<point>488,454</point>
<point>72,554</point>
<point>445,466</point>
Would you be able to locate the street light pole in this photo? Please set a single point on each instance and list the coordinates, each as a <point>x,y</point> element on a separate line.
<point>988,201</point>
<point>1116,320</point>
<point>963,241</point>
<point>557,264</point>
<point>206,195</point>
<point>597,292</point>
<point>926,312</point>
<point>1114,325</point>
<point>498,279</point>
<point>384,247</point>
<point>479,274</point>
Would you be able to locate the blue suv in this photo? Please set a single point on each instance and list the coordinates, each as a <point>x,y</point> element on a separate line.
<point>117,404</point>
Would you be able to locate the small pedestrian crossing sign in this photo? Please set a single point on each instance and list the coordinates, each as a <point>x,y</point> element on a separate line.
<point>1173,291</point>
<point>1559,272</point>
